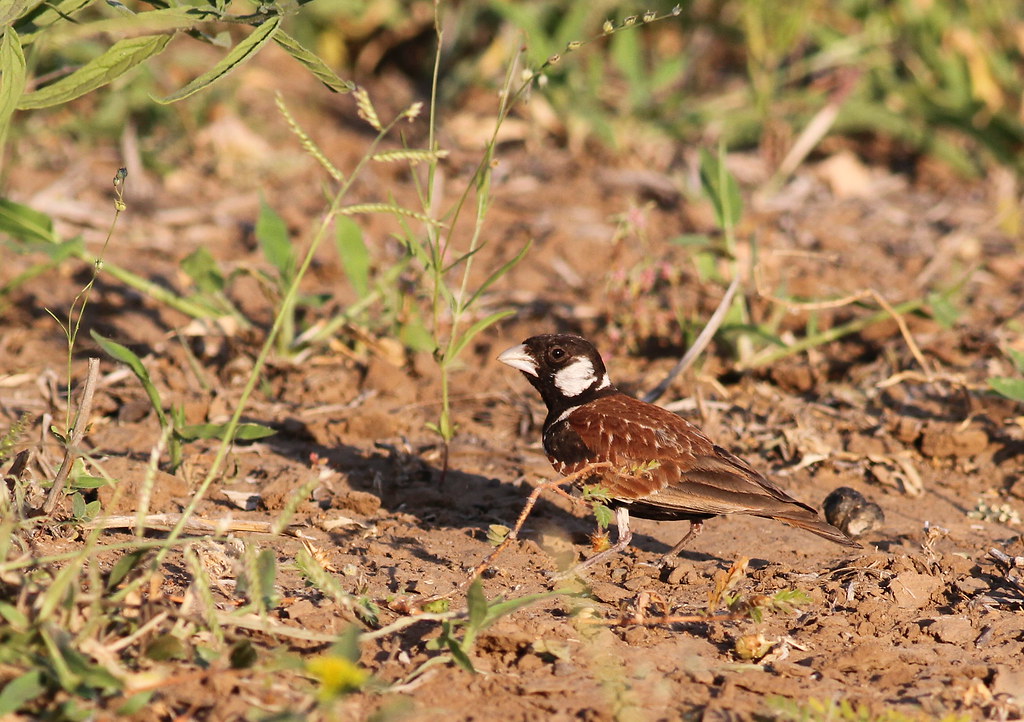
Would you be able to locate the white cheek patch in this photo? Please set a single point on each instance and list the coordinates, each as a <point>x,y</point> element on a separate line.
<point>576,378</point>
<point>605,382</point>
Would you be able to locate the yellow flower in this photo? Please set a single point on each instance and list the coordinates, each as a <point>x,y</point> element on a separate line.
<point>337,676</point>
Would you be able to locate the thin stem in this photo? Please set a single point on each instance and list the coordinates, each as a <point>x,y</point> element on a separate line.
<point>832,334</point>
<point>76,436</point>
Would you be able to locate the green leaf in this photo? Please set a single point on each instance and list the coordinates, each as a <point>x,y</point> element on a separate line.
<point>126,356</point>
<point>201,267</point>
<point>21,690</point>
<point>721,187</point>
<point>1017,357</point>
<point>477,603</point>
<point>1010,388</point>
<point>272,234</point>
<point>944,312</point>
<point>166,647</point>
<point>78,509</point>
<point>497,534</point>
<point>238,55</point>
<point>459,655</point>
<point>266,575</point>
<point>437,606</point>
<point>57,254</point>
<point>354,255</point>
<point>414,335</point>
<point>12,66</point>
<point>347,646</point>
<point>320,70</point>
<point>126,23</point>
<point>123,566</point>
<point>603,514</point>
<point>499,609</point>
<point>136,703</point>
<point>243,432</point>
<point>84,481</point>
<point>26,224</point>
<point>45,14</point>
<point>505,268</point>
<point>14,617</point>
<point>121,57</point>
<point>14,10</point>
<point>473,330</point>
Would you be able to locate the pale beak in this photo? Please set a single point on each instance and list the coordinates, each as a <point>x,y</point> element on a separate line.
<point>518,358</point>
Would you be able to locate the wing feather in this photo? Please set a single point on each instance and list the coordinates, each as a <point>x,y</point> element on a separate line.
<point>667,462</point>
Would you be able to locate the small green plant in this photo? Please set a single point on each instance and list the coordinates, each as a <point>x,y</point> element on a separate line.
<point>172,422</point>
<point>47,31</point>
<point>599,498</point>
<point>1008,386</point>
<point>480,615</point>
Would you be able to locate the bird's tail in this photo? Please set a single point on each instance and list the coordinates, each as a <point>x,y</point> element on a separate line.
<point>821,528</point>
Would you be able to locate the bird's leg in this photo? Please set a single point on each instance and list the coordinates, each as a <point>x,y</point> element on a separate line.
<point>555,484</point>
<point>694,530</point>
<point>624,537</point>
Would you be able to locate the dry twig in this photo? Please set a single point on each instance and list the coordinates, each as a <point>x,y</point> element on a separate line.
<point>77,433</point>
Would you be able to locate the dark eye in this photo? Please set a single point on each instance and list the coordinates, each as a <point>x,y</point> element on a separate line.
<point>556,354</point>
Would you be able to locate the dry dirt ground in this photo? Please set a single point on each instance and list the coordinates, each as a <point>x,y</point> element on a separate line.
<point>923,620</point>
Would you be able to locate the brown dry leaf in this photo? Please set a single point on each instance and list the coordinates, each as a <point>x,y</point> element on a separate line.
<point>898,472</point>
<point>319,555</point>
<point>725,581</point>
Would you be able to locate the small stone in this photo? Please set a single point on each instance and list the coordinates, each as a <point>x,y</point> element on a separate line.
<point>952,629</point>
<point>677,575</point>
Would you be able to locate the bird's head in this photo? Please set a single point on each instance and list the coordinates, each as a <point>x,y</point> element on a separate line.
<point>567,370</point>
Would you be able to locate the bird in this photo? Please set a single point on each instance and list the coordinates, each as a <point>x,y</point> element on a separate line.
<point>651,463</point>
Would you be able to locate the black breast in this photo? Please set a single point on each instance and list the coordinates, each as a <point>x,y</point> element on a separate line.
<point>565,447</point>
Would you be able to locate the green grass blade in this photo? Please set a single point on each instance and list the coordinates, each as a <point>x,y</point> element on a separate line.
<point>238,55</point>
<point>12,63</point>
<point>354,255</point>
<point>477,604</point>
<point>505,268</point>
<point>25,224</point>
<point>243,432</point>
<point>21,690</point>
<point>721,187</point>
<point>314,64</point>
<point>121,57</point>
<point>272,234</point>
<point>57,255</point>
<point>126,356</point>
<point>201,267</point>
<point>1010,388</point>
<point>473,330</point>
<point>499,609</point>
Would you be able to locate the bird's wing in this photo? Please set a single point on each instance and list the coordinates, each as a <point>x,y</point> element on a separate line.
<point>661,458</point>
